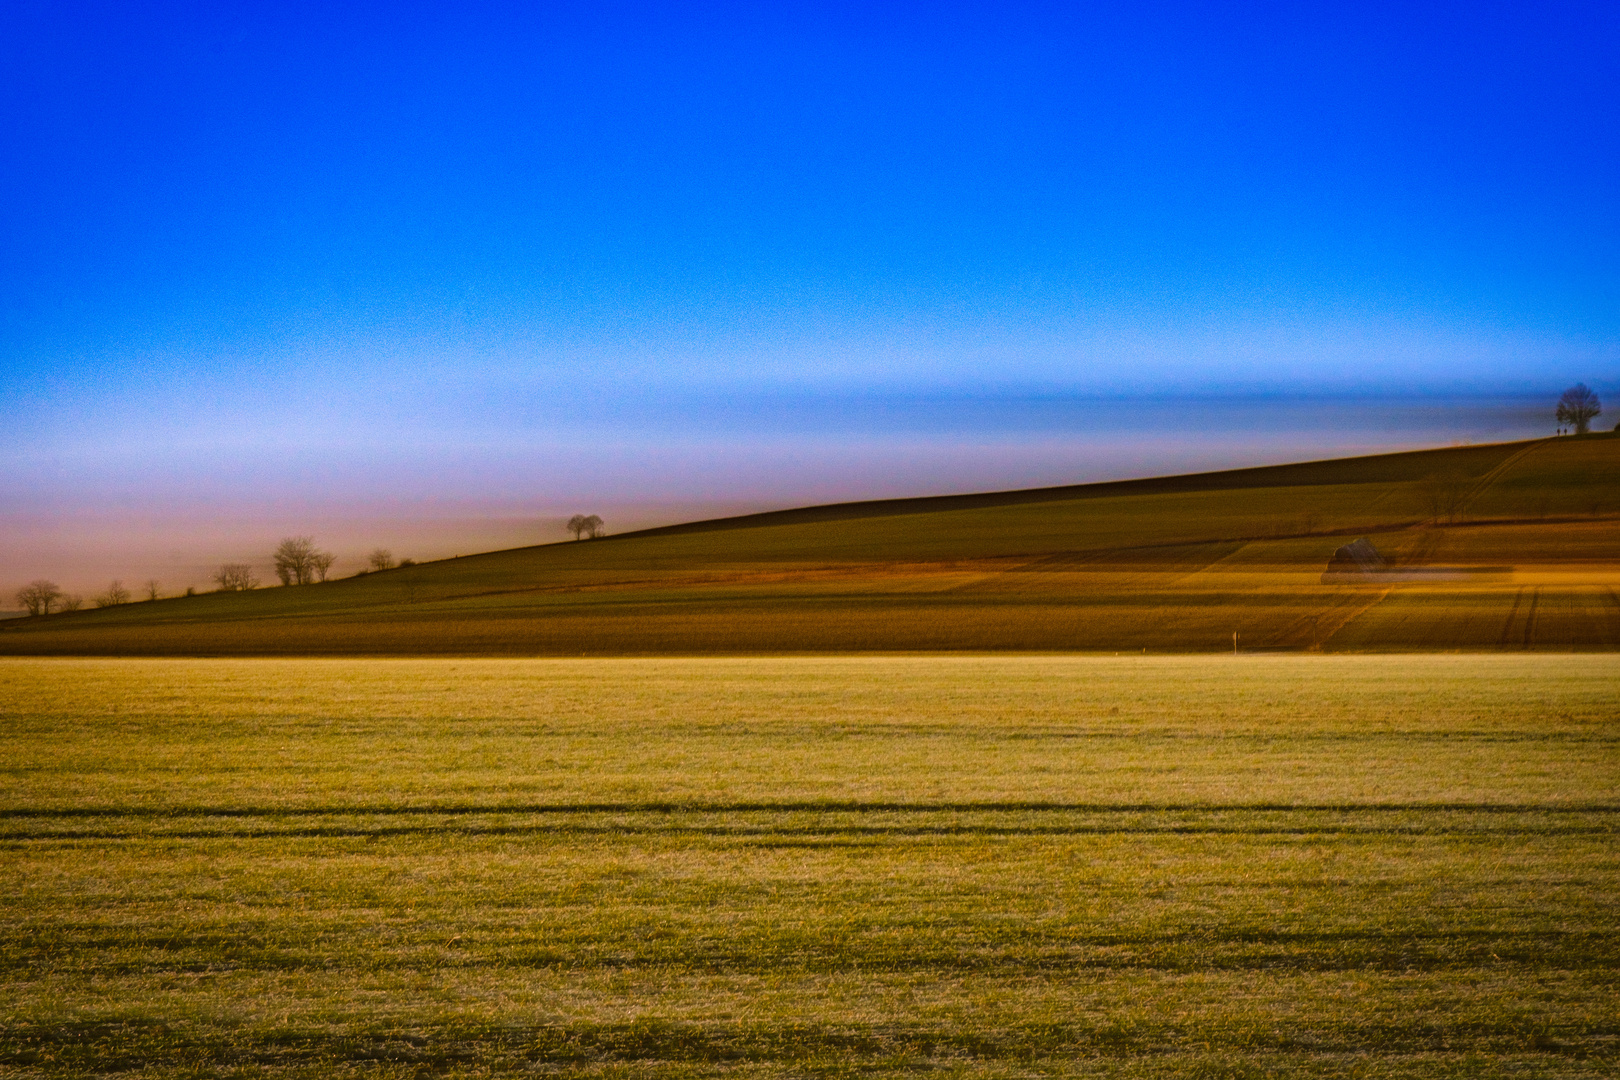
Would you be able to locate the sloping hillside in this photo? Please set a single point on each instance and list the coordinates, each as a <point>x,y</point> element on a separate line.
<point>1171,564</point>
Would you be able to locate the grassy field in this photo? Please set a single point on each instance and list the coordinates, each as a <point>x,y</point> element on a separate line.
<point>1346,866</point>
<point>1173,565</point>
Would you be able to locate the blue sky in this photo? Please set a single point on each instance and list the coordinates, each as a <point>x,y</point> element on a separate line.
<point>286,255</point>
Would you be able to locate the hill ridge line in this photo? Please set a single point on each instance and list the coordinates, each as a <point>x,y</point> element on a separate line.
<point>1216,480</point>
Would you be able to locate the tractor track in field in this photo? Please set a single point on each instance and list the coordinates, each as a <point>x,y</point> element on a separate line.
<point>1506,636</point>
<point>1484,483</point>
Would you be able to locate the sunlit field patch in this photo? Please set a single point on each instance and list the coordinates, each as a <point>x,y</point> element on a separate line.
<point>981,866</point>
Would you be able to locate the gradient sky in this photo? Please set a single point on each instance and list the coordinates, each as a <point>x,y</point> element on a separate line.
<point>482,261</point>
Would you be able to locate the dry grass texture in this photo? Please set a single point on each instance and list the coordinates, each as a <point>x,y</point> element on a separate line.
<point>1019,866</point>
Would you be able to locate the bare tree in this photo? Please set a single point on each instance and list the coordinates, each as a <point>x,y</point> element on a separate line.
<point>1577,407</point>
<point>236,577</point>
<point>380,559</point>
<point>293,556</point>
<point>72,602</point>
<point>115,595</point>
<point>320,562</point>
<point>585,525</point>
<point>38,597</point>
<point>152,589</point>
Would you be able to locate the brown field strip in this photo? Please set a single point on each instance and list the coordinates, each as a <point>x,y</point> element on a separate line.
<point>1521,617</point>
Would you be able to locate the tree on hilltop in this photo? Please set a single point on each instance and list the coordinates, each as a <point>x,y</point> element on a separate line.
<point>236,577</point>
<point>585,525</point>
<point>115,595</point>
<point>38,597</point>
<point>292,560</point>
<point>298,562</point>
<point>1577,407</point>
<point>381,559</point>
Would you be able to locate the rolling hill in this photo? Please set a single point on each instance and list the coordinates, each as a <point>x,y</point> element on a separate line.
<point>1179,563</point>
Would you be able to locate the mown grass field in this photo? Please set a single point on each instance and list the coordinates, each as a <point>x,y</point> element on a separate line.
<point>1178,564</point>
<point>1346,866</point>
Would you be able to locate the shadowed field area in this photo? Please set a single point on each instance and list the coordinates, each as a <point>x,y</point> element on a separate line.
<point>1179,564</point>
<point>1366,866</point>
